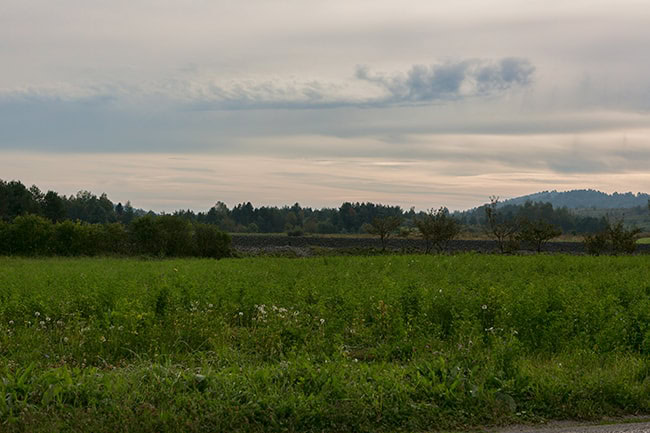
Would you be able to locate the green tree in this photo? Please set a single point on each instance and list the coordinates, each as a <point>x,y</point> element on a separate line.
<point>537,232</point>
<point>53,207</point>
<point>437,228</point>
<point>383,227</point>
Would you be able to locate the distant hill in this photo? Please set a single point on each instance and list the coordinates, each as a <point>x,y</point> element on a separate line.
<point>584,199</point>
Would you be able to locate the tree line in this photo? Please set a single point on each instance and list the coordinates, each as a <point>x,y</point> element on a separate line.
<point>16,200</point>
<point>33,222</point>
<point>161,236</point>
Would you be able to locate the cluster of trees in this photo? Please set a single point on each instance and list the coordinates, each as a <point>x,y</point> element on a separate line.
<point>16,200</point>
<point>33,222</point>
<point>533,228</point>
<point>34,235</point>
<point>562,217</point>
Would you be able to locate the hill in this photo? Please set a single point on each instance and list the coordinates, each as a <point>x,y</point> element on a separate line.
<point>584,199</point>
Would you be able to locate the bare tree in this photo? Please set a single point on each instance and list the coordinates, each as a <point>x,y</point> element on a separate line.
<point>438,228</point>
<point>383,227</point>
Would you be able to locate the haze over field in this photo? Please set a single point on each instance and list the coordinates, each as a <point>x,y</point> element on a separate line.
<point>180,104</point>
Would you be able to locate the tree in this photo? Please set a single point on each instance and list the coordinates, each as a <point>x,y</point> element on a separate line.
<point>537,233</point>
<point>502,230</point>
<point>438,228</point>
<point>623,240</point>
<point>53,207</point>
<point>383,227</point>
<point>615,237</point>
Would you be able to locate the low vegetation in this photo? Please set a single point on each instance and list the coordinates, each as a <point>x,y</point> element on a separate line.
<point>359,344</point>
<point>161,236</point>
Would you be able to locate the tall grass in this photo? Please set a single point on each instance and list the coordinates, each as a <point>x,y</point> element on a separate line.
<point>324,344</point>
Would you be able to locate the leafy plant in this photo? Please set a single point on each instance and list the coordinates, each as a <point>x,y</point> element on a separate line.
<point>437,228</point>
<point>383,227</point>
<point>537,233</point>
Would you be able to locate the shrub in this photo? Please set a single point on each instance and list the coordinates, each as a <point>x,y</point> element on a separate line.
<point>595,244</point>
<point>145,236</point>
<point>210,242</point>
<point>69,239</point>
<point>30,235</point>
<point>623,240</point>
<point>296,231</point>
<point>4,238</point>
<point>615,237</point>
<point>175,235</point>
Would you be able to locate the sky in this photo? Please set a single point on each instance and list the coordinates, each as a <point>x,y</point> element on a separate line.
<point>180,104</point>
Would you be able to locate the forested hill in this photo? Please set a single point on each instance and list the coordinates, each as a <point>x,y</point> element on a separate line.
<point>584,199</point>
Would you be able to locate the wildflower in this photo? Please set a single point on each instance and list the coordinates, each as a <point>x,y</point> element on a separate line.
<point>322,321</point>
<point>484,307</point>
<point>11,322</point>
<point>282,310</point>
<point>37,314</point>
<point>42,323</point>
<point>65,339</point>
<point>240,313</point>
<point>210,305</point>
<point>102,339</point>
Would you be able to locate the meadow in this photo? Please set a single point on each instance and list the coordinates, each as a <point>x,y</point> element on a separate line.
<point>355,344</point>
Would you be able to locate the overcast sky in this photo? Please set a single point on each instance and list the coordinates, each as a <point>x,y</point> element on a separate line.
<point>178,104</point>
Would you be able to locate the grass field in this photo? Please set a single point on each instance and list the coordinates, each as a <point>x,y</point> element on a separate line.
<point>355,344</point>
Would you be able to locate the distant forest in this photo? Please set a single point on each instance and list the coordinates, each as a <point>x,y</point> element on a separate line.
<point>585,199</point>
<point>16,199</point>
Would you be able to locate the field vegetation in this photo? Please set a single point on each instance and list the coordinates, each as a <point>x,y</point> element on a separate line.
<point>383,343</point>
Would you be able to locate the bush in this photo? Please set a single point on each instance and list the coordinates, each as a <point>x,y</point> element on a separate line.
<point>297,231</point>
<point>145,236</point>
<point>69,239</point>
<point>615,238</point>
<point>175,235</point>
<point>623,240</point>
<point>210,242</point>
<point>595,244</point>
<point>4,238</point>
<point>30,235</point>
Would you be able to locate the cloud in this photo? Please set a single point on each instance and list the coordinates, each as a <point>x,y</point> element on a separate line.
<point>451,80</point>
<point>190,90</point>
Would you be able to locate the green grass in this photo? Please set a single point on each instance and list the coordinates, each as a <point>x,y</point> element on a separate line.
<point>643,241</point>
<point>384,343</point>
